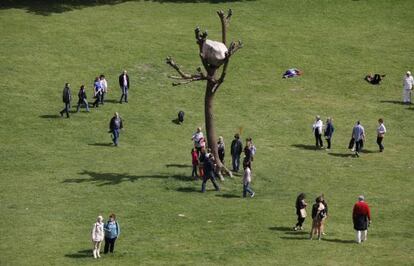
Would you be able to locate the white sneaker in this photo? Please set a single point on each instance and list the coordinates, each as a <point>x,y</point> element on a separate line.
<point>252,195</point>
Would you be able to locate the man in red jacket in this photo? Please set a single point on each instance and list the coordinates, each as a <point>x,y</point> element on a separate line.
<point>361,216</point>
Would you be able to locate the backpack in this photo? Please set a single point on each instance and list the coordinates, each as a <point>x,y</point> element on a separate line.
<point>180,116</point>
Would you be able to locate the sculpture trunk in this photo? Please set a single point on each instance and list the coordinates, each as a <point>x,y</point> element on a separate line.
<point>209,119</point>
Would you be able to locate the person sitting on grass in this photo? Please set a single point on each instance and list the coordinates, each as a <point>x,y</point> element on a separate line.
<point>374,79</point>
<point>292,72</point>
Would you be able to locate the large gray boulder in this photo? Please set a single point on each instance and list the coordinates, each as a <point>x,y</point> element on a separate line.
<point>214,52</point>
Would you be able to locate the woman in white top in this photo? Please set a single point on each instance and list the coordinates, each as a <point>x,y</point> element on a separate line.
<point>97,236</point>
<point>104,86</point>
<point>317,131</point>
<point>380,134</point>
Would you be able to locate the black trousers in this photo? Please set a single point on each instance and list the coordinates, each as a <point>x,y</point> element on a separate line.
<point>318,139</point>
<point>379,142</point>
<point>328,140</point>
<point>66,109</point>
<point>359,145</point>
<point>300,221</point>
<point>109,244</point>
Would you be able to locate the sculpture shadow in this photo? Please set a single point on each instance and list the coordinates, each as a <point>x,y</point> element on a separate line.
<point>178,165</point>
<point>305,147</point>
<point>49,116</point>
<point>49,7</point>
<point>393,101</point>
<point>105,179</point>
<point>80,254</point>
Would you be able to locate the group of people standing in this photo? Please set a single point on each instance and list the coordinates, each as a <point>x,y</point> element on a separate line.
<point>108,231</point>
<point>100,89</point>
<point>361,216</point>
<point>206,164</point>
<point>356,143</point>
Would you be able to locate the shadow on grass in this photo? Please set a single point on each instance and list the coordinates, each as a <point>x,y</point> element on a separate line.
<point>80,254</point>
<point>49,116</point>
<point>176,121</point>
<point>394,102</point>
<point>343,155</point>
<point>305,147</point>
<point>368,151</point>
<point>104,179</point>
<point>281,228</point>
<point>178,165</point>
<point>111,101</point>
<point>294,238</point>
<point>228,196</point>
<point>336,240</point>
<point>48,7</point>
<point>188,189</point>
<point>297,233</point>
<point>101,144</point>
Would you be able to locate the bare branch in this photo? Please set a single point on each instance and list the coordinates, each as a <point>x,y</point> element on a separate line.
<point>234,47</point>
<point>225,21</point>
<point>187,78</point>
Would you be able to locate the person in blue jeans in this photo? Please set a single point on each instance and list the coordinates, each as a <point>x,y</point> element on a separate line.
<point>209,173</point>
<point>112,231</point>
<point>235,151</point>
<point>82,99</point>
<point>124,85</point>
<point>247,179</point>
<point>115,125</point>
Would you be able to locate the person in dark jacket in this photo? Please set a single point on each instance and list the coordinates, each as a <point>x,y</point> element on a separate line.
<point>82,99</point>
<point>235,151</point>
<point>318,213</point>
<point>209,173</point>
<point>67,97</point>
<point>124,85</point>
<point>300,211</point>
<point>112,231</point>
<point>97,87</point>
<point>329,130</point>
<point>115,125</point>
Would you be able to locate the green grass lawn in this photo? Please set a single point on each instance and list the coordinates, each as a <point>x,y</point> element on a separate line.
<point>58,174</point>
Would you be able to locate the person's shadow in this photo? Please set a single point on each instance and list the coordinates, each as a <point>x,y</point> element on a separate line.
<point>304,147</point>
<point>80,254</point>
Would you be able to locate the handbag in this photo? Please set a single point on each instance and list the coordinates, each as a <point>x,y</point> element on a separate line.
<point>302,213</point>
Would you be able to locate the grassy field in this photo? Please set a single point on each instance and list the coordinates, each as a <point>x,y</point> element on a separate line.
<point>58,174</point>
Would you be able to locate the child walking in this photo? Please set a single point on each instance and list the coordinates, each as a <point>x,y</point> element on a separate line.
<point>194,156</point>
<point>247,179</point>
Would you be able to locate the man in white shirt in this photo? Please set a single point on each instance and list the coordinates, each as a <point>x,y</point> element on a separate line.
<point>317,130</point>
<point>408,83</point>
<point>104,86</point>
<point>198,139</point>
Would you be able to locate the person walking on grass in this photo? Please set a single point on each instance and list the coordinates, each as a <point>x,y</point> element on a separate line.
<point>97,236</point>
<point>124,85</point>
<point>194,161</point>
<point>82,99</point>
<point>67,97</point>
<point>323,222</point>
<point>104,87</point>
<point>115,125</point>
<point>317,131</point>
<point>318,213</point>
<point>209,173</point>
<point>235,151</point>
<point>408,83</point>
<point>112,232</point>
<point>247,179</point>
<point>97,89</point>
<point>358,134</point>
<point>381,130</point>
<point>329,130</point>
<point>300,211</point>
<point>361,217</point>
<point>221,149</point>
